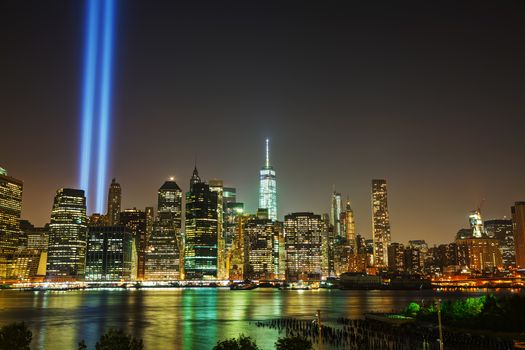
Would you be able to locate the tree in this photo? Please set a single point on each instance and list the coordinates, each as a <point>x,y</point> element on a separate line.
<point>241,343</point>
<point>15,336</point>
<point>118,340</point>
<point>293,343</point>
<point>412,309</point>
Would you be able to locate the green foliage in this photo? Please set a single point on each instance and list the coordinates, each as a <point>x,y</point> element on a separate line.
<point>15,336</point>
<point>412,309</point>
<point>293,343</point>
<point>486,312</point>
<point>118,340</point>
<point>241,343</point>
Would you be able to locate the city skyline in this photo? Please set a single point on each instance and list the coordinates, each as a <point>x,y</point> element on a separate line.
<point>449,135</point>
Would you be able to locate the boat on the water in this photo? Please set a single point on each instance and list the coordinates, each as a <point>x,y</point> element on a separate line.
<point>243,286</point>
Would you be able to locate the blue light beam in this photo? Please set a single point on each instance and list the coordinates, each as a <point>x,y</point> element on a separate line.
<point>88,103</point>
<point>105,101</point>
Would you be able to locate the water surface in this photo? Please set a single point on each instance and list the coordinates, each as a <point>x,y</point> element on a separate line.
<point>187,318</point>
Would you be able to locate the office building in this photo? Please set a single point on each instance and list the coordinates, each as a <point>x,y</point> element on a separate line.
<point>335,213</point>
<point>502,231</point>
<point>479,254</point>
<point>217,187</point>
<point>109,254</point>
<point>349,225</point>
<point>518,229</point>
<point>380,223</point>
<point>396,257</point>
<point>262,238</point>
<point>201,258</point>
<point>476,224</point>
<point>303,234</point>
<point>163,255</point>
<point>10,209</point>
<point>114,203</point>
<point>67,236</point>
<point>268,187</point>
<point>134,221</point>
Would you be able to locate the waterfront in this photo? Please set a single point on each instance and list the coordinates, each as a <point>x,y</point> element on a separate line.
<point>188,318</point>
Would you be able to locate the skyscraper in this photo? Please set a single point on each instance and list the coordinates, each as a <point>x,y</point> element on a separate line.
<point>268,187</point>
<point>476,224</point>
<point>303,234</point>
<point>114,202</point>
<point>109,254</point>
<point>380,223</point>
<point>163,258</point>
<point>501,229</point>
<point>200,258</point>
<point>67,236</point>
<point>518,228</point>
<point>10,209</point>
<point>262,238</point>
<point>134,221</point>
<point>217,187</point>
<point>349,224</point>
<point>335,213</point>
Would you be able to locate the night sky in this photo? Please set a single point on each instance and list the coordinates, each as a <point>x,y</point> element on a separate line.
<point>428,95</point>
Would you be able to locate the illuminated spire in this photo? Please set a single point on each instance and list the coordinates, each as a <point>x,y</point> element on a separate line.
<point>267,153</point>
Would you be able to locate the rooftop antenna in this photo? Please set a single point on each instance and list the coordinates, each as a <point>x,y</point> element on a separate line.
<point>267,153</point>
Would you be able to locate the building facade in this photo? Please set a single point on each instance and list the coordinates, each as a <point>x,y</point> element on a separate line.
<point>262,238</point>
<point>163,255</point>
<point>10,210</point>
<point>114,203</point>
<point>67,236</point>
<point>480,254</point>
<point>303,234</point>
<point>201,243</point>
<point>268,187</point>
<point>380,223</point>
<point>134,221</point>
<point>501,229</point>
<point>518,229</point>
<point>335,213</point>
<point>109,254</point>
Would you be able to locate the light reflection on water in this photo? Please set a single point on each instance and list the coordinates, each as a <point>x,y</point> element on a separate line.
<point>187,318</point>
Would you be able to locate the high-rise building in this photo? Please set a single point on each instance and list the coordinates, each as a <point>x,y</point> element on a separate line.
<point>335,213</point>
<point>150,221</point>
<point>134,221</point>
<point>349,225</point>
<point>238,257</point>
<point>109,254</point>
<point>262,240</point>
<point>67,236</point>
<point>303,234</point>
<point>229,195</point>
<point>217,187</point>
<point>501,229</point>
<point>10,209</point>
<point>114,203</point>
<point>268,187</point>
<point>380,223</point>
<point>476,224</point>
<point>518,228</point>
<point>479,254</point>
<point>200,259</point>
<point>163,257</point>
<point>396,257</point>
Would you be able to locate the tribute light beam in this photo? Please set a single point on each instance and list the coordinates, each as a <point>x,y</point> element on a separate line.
<point>88,103</point>
<point>104,100</point>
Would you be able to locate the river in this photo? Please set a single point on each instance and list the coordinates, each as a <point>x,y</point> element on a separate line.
<point>187,318</point>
